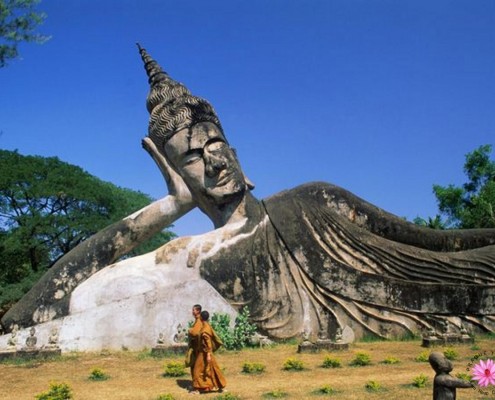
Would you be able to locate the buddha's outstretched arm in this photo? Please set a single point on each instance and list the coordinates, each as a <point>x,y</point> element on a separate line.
<point>50,297</point>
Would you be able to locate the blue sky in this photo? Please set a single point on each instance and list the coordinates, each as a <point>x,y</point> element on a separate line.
<point>383,98</point>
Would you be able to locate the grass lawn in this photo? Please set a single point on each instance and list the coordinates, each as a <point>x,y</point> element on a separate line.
<point>138,376</point>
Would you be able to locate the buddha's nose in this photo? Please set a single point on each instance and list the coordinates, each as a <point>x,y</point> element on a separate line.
<point>214,165</point>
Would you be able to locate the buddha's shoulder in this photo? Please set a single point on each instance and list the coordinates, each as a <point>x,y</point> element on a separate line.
<point>313,191</point>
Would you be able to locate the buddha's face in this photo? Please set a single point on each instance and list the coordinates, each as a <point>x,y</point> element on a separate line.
<point>207,164</point>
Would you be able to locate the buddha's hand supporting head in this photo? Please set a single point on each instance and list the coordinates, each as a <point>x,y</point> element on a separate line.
<point>175,184</point>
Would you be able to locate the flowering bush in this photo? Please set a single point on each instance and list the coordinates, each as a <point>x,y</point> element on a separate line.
<point>253,368</point>
<point>451,354</point>
<point>391,360</point>
<point>97,374</point>
<point>362,359</point>
<point>330,362</point>
<point>373,386</point>
<point>58,391</point>
<point>420,381</point>
<point>174,368</point>
<point>423,356</point>
<point>293,364</point>
<point>165,397</point>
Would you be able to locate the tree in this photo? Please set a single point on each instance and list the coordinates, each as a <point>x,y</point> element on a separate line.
<point>47,207</point>
<point>18,21</point>
<point>471,205</point>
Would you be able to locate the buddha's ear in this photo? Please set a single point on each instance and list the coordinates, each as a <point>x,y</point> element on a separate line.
<point>249,184</point>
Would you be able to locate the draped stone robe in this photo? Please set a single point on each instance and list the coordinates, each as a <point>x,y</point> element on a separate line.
<point>320,258</point>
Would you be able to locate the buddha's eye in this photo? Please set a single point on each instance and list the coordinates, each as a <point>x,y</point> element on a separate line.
<point>215,146</point>
<point>191,158</point>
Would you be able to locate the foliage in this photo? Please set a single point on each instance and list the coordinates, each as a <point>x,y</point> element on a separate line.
<point>238,337</point>
<point>47,207</point>
<point>373,386</point>
<point>18,20</point>
<point>275,394</point>
<point>471,205</point>
<point>451,354</point>
<point>361,359</point>
<point>391,360</point>
<point>331,362</point>
<point>174,369</point>
<point>420,381</point>
<point>253,368</point>
<point>293,364</point>
<point>423,356</point>
<point>464,376</point>
<point>166,396</point>
<point>97,374</point>
<point>57,391</point>
<point>325,389</point>
<point>227,396</point>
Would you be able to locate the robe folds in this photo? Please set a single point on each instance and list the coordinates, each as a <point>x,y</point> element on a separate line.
<point>319,258</point>
<point>206,376</point>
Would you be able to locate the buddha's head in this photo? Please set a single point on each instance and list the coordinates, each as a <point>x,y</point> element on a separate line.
<point>187,132</point>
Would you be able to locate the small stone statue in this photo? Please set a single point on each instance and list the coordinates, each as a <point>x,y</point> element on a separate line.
<point>446,327</point>
<point>444,385</point>
<point>322,334</point>
<point>52,340</point>
<point>338,335</point>
<point>31,339</point>
<point>13,339</point>
<point>161,339</point>
<point>181,335</point>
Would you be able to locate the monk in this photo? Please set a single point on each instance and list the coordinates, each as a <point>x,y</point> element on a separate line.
<point>206,374</point>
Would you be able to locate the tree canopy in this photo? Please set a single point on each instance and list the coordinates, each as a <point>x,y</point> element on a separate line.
<point>47,207</point>
<point>18,21</point>
<point>471,205</point>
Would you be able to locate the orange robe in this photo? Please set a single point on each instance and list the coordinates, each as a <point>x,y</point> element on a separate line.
<point>206,376</point>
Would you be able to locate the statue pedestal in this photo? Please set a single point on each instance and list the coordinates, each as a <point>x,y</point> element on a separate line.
<point>447,339</point>
<point>321,345</point>
<point>7,355</point>
<point>47,353</point>
<point>163,350</point>
<point>307,347</point>
<point>431,341</point>
<point>27,354</point>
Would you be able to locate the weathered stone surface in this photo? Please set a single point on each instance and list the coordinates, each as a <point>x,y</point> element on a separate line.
<point>315,258</point>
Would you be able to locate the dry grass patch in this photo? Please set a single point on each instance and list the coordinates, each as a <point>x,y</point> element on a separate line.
<point>136,376</point>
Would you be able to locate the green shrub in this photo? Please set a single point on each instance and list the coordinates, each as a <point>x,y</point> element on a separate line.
<point>97,374</point>
<point>227,396</point>
<point>451,354</point>
<point>293,364</point>
<point>373,386</point>
<point>330,362</point>
<point>423,356</point>
<point>463,376</point>
<point>475,347</point>
<point>57,391</point>
<point>420,381</point>
<point>362,359</point>
<point>253,368</point>
<point>174,369</point>
<point>165,397</point>
<point>275,394</point>
<point>325,389</point>
<point>238,337</point>
<point>391,360</point>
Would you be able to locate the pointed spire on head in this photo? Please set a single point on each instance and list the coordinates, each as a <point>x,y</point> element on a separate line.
<point>171,104</point>
<point>153,70</point>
